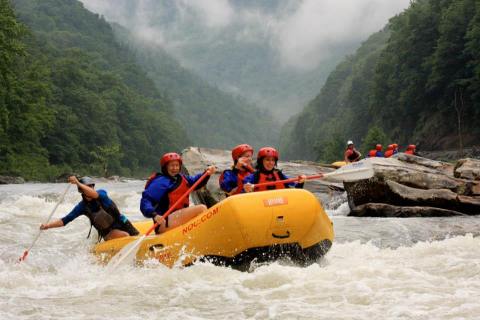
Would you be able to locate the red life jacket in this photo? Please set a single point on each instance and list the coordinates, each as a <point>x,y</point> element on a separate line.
<point>410,152</point>
<point>179,190</point>
<point>274,176</point>
<point>351,154</point>
<point>372,153</point>
<point>388,153</point>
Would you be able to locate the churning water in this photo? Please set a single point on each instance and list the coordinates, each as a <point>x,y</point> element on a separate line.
<point>377,269</point>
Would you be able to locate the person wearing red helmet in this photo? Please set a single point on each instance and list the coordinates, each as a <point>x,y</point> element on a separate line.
<point>231,180</point>
<point>164,188</point>
<point>390,150</point>
<point>267,159</point>
<point>411,149</point>
<point>351,154</point>
<point>377,152</point>
<point>395,148</point>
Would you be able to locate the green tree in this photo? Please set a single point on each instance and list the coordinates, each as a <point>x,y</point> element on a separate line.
<point>375,135</point>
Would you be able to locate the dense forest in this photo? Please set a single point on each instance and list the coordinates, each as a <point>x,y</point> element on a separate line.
<point>416,81</point>
<point>72,99</point>
<point>211,117</point>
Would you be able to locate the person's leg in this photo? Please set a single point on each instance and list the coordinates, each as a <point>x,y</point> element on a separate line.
<point>181,216</point>
<point>116,233</point>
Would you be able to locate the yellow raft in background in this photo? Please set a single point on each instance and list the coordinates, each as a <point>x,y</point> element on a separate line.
<point>339,164</point>
<point>258,226</point>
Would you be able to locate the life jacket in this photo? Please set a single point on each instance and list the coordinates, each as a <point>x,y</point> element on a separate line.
<point>372,153</point>
<point>388,153</point>
<point>180,188</point>
<point>353,155</point>
<point>410,152</point>
<point>103,218</point>
<point>240,176</point>
<point>260,177</point>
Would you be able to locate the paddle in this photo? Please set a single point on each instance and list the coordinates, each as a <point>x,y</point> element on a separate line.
<point>129,250</point>
<point>25,253</point>
<point>352,172</point>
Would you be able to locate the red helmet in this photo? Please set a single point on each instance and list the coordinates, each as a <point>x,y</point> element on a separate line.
<point>395,146</point>
<point>239,150</point>
<point>390,147</point>
<point>378,147</point>
<point>411,147</point>
<point>171,156</point>
<point>266,152</point>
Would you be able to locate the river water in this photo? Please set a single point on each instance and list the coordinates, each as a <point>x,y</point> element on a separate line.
<point>415,268</point>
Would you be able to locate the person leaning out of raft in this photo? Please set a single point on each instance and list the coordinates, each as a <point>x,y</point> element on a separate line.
<point>231,180</point>
<point>102,212</point>
<point>164,188</point>
<point>267,159</point>
<point>351,154</point>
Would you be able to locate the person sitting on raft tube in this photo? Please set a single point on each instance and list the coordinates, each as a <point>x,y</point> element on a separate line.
<point>390,151</point>
<point>267,159</point>
<point>411,149</point>
<point>163,189</point>
<point>377,152</point>
<point>351,154</point>
<point>231,180</point>
<point>102,212</point>
<point>395,148</point>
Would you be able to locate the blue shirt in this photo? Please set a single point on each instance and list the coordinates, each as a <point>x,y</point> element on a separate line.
<point>155,196</point>
<point>81,207</point>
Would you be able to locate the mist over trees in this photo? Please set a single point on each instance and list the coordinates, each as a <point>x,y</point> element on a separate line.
<point>417,80</point>
<point>211,117</point>
<point>275,53</point>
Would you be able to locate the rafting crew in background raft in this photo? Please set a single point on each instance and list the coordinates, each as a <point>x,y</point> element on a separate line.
<point>351,154</point>
<point>164,188</point>
<point>231,180</point>
<point>102,212</point>
<point>266,171</point>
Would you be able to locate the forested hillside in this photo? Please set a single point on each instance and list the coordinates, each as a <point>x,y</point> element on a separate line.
<point>417,82</point>
<point>211,117</point>
<point>72,99</point>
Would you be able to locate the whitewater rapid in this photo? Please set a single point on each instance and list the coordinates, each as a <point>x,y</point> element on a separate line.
<point>377,269</point>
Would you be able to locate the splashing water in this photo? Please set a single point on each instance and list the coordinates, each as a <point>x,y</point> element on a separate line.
<point>419,268</point>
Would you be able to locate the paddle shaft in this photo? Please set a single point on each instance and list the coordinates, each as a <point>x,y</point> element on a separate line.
<point>129,249</point>
<point>170,210</point>
<point>271,183</point>
<point>25,253</point>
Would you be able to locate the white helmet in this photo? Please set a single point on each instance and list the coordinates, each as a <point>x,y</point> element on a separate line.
<point>349,142</point>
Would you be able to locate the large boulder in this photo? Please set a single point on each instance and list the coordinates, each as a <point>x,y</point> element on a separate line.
<point>467,169</point>
<point>410,183</point>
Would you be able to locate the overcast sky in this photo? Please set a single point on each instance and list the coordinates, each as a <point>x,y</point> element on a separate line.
<point>302,32</point>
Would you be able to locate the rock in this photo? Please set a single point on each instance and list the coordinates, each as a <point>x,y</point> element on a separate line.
<point>391,211</point>
<point>411,181</point>
<point>467,169</point>
<point>11,180</point>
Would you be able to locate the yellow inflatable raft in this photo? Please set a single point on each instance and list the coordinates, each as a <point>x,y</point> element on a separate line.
<point>259,226</point>
<point>339,164</point>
